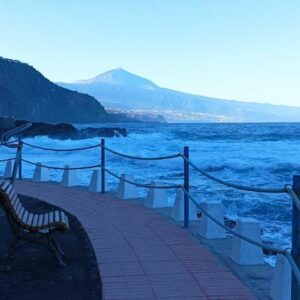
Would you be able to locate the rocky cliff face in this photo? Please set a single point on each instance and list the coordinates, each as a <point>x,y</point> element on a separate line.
<point>35,98</point>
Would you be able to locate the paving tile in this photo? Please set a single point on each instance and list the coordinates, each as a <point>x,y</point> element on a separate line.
<point>140,254</point>
<point>163,267</point>
<point>154,253</point>
<point>176,285</point>
<point>121,269</point>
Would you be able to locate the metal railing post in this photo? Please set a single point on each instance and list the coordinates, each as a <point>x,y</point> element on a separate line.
<point>20,160</point>
<point>186,184</point>
<point>296,238</point>
<point>102,166</point>
<point>16,164</point>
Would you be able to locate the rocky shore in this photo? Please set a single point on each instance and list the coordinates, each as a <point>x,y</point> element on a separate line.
<point>64,131</point>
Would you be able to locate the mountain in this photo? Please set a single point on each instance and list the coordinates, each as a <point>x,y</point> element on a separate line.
<point>119,89</point>
<point>33,97</point>
<point>120,77</point>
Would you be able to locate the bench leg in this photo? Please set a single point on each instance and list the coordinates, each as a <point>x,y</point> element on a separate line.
<point>47,241</point>
<point>57,245</point>
<point>14,246</point>
<point>55,252</point>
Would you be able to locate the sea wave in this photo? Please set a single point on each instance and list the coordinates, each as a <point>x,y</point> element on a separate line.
<point>250,154</point>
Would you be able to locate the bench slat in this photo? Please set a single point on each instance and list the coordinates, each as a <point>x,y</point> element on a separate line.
<point>11,194</point>
<point>21,212</point>
<point>9,189</point>
<point>67,221</point>
<point>51,215</point>
<point>29,220</point>
<point>18,208</point>
<point>46,220</point>
<point>63,217</point>
<point>25,216</point>
<point>16,204</point>
<point>14,199</point>
<point>5,185</point>
<point>41,220</point>
<point>35,220</point>
<point>56,216</point>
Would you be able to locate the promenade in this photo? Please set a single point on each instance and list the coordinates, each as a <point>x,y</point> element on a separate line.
<point>141,254</point>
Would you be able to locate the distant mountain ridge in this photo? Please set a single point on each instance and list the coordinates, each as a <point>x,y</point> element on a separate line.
<point>120,89</point>
<point>120,77</point>
<point>35,98</point>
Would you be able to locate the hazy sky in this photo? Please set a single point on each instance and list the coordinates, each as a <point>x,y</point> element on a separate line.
<point>234,49</point>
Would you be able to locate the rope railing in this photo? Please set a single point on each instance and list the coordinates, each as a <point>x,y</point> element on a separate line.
<point>61,150</point>
<point>142,158</point>
<point>143,185</point>
<point>277,190</point>
<point>284,252</point>
<point>7,159</point>
<point>60,168</point>
<point>233,185</point>
<point>106,170</point>
<point>285,189</point>
<point>258,244</point>
<point>228,229</point>
<point>106,148</point>
<point>216,179</point>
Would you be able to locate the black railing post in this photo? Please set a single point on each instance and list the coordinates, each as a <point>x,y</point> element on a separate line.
<point>20,159</point>
<point>16,164</point>
<point>102,166</point>
<point>186,185</point>
<point>296,238</point>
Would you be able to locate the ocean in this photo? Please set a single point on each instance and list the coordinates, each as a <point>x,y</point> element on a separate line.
<point>262,155</point>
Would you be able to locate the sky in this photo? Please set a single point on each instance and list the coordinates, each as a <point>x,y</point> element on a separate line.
<point>246,50</point>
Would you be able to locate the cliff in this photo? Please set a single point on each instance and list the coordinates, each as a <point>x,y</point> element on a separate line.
<point>33,97</point>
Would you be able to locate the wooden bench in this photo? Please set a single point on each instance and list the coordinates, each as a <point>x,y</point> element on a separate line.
<point>31,227</point>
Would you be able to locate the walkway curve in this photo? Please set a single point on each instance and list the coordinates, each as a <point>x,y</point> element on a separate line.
<point>140,254</point>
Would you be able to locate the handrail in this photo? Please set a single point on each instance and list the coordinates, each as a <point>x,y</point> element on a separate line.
<point>293,195</point>
<point>4,141</point>
<point>294,267</point>
<point>5,136</point>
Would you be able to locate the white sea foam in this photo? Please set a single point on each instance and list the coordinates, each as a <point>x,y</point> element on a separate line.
<point>250,154</point>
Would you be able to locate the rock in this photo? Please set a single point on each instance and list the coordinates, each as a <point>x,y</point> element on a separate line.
<point>26,94</point>
<point>65,131</point>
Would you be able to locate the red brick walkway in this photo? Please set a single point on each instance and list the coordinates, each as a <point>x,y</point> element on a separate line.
<point>140,254</point>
